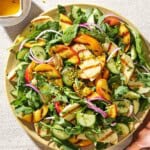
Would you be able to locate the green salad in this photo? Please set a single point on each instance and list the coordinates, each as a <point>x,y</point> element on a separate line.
<point>82,78</point>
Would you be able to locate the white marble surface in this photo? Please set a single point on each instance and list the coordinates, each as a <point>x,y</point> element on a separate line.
<point>12,136</point>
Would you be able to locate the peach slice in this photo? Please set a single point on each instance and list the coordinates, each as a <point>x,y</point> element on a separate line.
<point>64,22</point>
<point>126,36</point>
<point>36,116</point>
<point>112,20</point>
<point>112,111</point>
<point>102,89</point>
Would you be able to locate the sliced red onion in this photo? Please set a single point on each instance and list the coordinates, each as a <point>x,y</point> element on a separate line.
<point>33,87</point>
<point>22,44</point>
<point>42,33</point>
<point>130,110</point>
<point>84,26</point>
<point>96,109</point>
<point>113,124</point>
<point>112,53</point>
<point>33,58</point>
<point>100,99</point>
<point>87,25</point>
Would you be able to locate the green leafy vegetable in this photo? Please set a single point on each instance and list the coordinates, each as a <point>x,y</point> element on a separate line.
<point>70,33</point>
<point>144,78</point>
<point>62,10</point>
<point>94,33</point>
<point>120,91</point>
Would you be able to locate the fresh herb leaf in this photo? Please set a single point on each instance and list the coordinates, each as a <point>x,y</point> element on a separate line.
<point>70,33</point>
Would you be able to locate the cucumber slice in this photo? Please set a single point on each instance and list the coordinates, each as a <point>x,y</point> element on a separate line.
<point>68,75</point>
<point>86,120</point>
<point>21,54</point>
<point>122,129</point>
<point>59,132</point>
<point>131,95</point>
<point>123,107</point>
<point>136,106</point>
<point>111,65</point>
<point>39,52</point>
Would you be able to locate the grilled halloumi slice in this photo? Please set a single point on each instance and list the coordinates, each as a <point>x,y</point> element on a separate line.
<point>83,52</point>
<point>90,68</point>
<point>108,136</point>
<point>91,73</point>
<point>127,67</point>
<point>69,112</point>
<point>110,47</point>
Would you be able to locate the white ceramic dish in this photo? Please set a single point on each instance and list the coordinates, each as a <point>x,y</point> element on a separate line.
<point>17,18</point>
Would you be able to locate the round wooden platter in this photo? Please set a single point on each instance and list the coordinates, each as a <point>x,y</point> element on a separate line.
<point>11,63</point>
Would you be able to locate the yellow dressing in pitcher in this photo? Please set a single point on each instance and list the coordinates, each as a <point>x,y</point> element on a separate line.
<point>9,7</point>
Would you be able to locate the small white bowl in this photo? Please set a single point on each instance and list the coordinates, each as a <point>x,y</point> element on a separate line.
<point>17,18</point>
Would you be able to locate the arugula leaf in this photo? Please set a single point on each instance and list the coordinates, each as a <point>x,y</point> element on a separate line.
<point>18,102</point>
<point>61,9</point>
<point>70,33</point>
<point>43,26</point>
<point>124,119</point>
<point>53,91</point>
<point>141,48</point>
<point>144,103</point>
<point>24,109</point>
<point>112,32</point>
<point>76,130</point>
<point>33,99</point>
<point>54,25</point>
<point>65,145</point>
<point>144,78</point>
<point>120,91</point>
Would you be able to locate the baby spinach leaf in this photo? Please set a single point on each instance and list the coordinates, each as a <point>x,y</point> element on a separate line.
<point>70,33</point>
